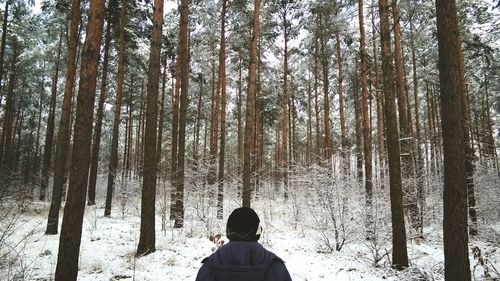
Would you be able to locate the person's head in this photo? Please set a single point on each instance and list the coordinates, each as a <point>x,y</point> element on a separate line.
<point>243,225</point>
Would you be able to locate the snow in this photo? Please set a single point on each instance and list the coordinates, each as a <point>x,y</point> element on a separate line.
<point>108,247</point>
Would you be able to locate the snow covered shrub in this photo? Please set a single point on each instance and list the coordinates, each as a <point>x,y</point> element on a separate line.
<point>487,191</point>
<point>433,194</point>
<point>216,239</point>
<point>330,200</point>
<point>14,219</point>
<point>200,198</point>
<point>163,195</point>
<point>414,274</point>
<point>92,225</point>
<point>489,272</point>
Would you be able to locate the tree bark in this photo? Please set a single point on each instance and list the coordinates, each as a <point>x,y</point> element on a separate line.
<point>62,144</point>
<point>184,79</point>
<point>324,63</point>
<point>4,41</point>
<point>249,124</point>
<point>196,155</point>
<point>49,135</point>
<point>222,77</point>
<point>239,117</point>
<point>175,137</point>
<point>159,142</point>
<point>285,102</point>
<point>452,87</point>
<point>71,230</point>
<point>399,253</point>
<point>113,160</point>
<point>418,140</point>
<point>379,102</point>
<point>147,240</point>
<point>409,196</point>
<point>340,89</point>
<point>367,138</point>
<point>8,131</point>
<point>100,115</point>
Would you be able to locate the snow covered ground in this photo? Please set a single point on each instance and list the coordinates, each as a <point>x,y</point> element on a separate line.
<point>108,246</point>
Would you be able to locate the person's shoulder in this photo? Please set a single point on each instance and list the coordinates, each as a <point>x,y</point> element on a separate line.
<point>272,255</point>
<point>278,270</point>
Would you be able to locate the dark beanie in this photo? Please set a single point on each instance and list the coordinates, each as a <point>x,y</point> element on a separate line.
<point>242,225</point>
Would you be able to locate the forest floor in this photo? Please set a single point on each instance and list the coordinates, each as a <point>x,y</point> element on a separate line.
<point>108,246</point>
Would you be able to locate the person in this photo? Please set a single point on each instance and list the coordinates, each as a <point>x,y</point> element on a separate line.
<point>243,258</point>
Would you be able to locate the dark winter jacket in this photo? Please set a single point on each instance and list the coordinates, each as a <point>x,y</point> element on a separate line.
<point>243,261</point>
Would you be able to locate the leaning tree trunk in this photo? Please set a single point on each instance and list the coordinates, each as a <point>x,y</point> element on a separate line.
<point>71,230</point>
<point>62,144</point>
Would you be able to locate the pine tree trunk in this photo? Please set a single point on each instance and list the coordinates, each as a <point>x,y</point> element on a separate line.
<point>62,144</point>
<point>469,165</point>
<point>49,135</point>
<point>489,143</point>
<point>316,97</point>
<point>309,122</point>
<point>418,140</point>
<point>36,158</point>
<point>367,138</point>
<point>159,142</point>
<point>249,124</point>
<point>452,87</point>
<point>285,103</point>
<point>324,63</point>
<point>17,135</point>
<point>183,107</point>
<point>8,130</point>
<point>147,242</point>
<point>196,155</point>
<point>379,102</point>
<point>222,77</point>
<point>358,116</point>
<point>214,126</point>
<point>2,46</point>
<point>409,197</point>
<point>28,157</point>
<point>128,159</point>
<point>340,89</point>
<point>175,137</point>
<point>113,160</point>
<point>399,253</point>
<point>71,230</point>
<point>239,117</point>
<point>139,149</point>
<point>99,115</point>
